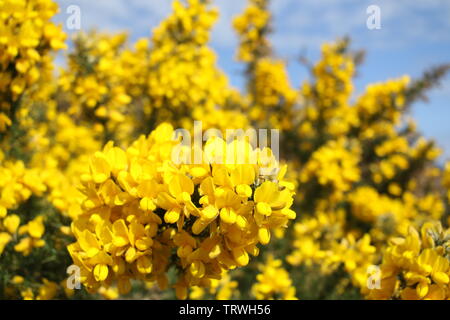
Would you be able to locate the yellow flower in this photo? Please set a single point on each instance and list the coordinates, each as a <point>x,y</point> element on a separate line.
<point>5,238</point>
<point>47,290</point>
<point>36,227</point>
<point>273,282</point>
<point>11,223</point>
<point>17,279</point>
<point>416,265</point>
<point>27,294</point>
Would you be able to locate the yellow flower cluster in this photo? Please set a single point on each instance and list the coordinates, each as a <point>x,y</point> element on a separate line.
<point>416,266</point>
<point>389,216</point>
<point>34,231</point>
<point>144,211</point>
<point>17,184</point>
<point>27,36</point>
<point>184,76</point>
<point>273,282</point>
<point>252,27</point>
<point>313,238</point>
<point>356,255</point>
<point>326,109</point>
<point>322,241</point>
<point>221,289</point>
<point>358,166</point>
<point>381,106</point>
<point>93,85</point>
<point>334,166</point>
<point>368,205</point>
<point>271,90</point>
<point>270,100</point>
<point>62,159</point>
<point>46,291</point>
<point>447,179</point>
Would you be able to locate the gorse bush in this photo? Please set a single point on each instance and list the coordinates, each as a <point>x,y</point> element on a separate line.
<point>144,214</point>
<point>100,196</point>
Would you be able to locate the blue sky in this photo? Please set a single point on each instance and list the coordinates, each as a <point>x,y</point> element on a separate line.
<point>414,35</point>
